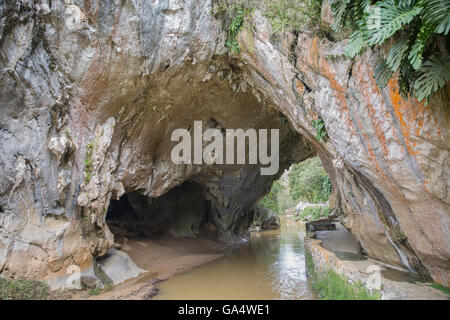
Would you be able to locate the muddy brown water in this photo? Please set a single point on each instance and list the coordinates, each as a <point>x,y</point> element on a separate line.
<point>271,265</point>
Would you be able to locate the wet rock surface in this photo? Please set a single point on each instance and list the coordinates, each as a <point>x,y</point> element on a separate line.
<point>89,96</point>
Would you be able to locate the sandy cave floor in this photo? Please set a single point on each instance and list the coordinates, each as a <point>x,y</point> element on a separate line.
<point>162,255</point>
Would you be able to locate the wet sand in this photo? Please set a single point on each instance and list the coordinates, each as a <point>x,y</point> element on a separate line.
<point>167,255</point>
<point>163,256</point>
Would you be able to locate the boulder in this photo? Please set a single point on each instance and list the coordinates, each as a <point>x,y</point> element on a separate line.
<point>90,282</point>
<point>271,223</point>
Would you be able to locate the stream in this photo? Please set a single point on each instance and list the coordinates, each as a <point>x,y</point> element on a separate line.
<point>271,265</point>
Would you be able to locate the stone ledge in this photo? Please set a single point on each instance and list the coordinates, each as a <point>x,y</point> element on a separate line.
<point>355,271</point>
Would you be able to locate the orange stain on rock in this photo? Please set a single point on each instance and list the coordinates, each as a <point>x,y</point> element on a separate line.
<point>326,69</point>
<point>409,113</point>
<point>369,89</point>
<point>300,87</point>
<point>314,54</point>
<point>339,90</point>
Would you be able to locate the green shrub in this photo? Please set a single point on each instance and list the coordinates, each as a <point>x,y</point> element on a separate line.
<point>306,181</point>
<point>287,15</point>
<point>315,213</point>
<point>23,289</point>
<point>283,15</point>
<point>271,200</point>
<point>236,25</point>
<point>309,182</point>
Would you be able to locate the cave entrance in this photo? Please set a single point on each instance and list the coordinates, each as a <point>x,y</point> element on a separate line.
<point>301,192</point>
<point>181,212</point>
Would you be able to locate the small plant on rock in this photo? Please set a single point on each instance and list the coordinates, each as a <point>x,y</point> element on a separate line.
<point>321,132</point>
<point>88,160</point>
<point>236,25</point>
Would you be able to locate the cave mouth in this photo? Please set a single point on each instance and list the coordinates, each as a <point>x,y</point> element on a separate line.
<point>181,212</point>
<point>304,185</point>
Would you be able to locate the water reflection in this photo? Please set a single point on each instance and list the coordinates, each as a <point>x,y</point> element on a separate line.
<point>270,266</point>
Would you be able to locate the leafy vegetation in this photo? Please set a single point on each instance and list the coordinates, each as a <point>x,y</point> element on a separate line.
<point>309,182</point>
<point>321,132</point>
<point>314,213</point>
<point>236,25</point>
<point>96,291</point>
<point>287,15</point>
<point>88,160</point>
<point>271,200</point>
<point>23,289</point>
<point>441,287</point>
<point>420,29</point>
<point>330,285</point>
<point>282,14</point>
<point>305,181</point>
<point>279,199</point>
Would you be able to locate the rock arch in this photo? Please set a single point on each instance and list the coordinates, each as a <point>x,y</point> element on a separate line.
<point>89,95</point>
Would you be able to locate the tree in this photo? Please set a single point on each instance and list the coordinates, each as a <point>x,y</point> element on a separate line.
<point>271,199</point>
<point>309,182</point>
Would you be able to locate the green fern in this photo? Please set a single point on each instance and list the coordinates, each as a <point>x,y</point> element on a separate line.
<point>339,10</point>
<point>416,54</point>
<point>434,73</point>
<point>355,44</point>
<point>416,26</point>
<point>437,13</point>
<point>348,13</point>
<point>385,19</point>
<point>382,74</point>
<point>406,78</point>
<point>397,54</point>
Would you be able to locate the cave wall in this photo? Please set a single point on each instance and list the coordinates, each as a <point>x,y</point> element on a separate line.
<point>387,156</point>
<point>90,92</point>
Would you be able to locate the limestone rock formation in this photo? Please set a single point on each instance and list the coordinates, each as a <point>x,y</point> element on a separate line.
<point>90,92</point>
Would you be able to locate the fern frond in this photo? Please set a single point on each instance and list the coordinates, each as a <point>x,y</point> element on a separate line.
<point>355,44</point>
<point>434,73</point>
<point>437,13</point>
<point>382,74</point>
<point>386,18</point>
<point>417,22</point>
<point>406,76</point>
<point>339,8</point>
<point>397,54</point>
<point>416,54</point>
